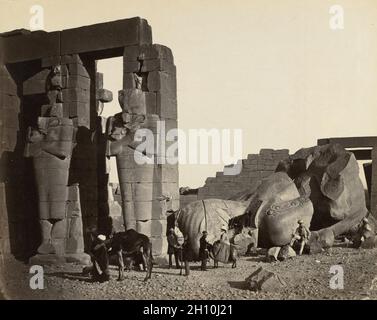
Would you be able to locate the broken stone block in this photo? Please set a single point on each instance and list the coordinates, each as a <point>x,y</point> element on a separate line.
<point>286,252</point>
<point>273,253</point>
<point>104,95</point>
<point>263,280</point>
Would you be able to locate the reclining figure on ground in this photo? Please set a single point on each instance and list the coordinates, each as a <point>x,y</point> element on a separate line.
<point>319,185</point>
<point>206,215</point>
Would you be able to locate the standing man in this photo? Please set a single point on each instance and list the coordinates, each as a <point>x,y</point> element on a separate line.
<point>185,254</point>
<point>301,235</point>
<point>203,250</point>
<point>173,248</point>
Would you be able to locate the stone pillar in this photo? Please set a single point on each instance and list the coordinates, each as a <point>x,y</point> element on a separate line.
<point>62,126</point>
<point>103,166</point>
<point>77,96</point>
<point>146,184</point>
<point>11,168</point>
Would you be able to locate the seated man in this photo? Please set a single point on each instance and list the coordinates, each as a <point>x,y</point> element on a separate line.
<point>100,260</point>
<point>301,235</point>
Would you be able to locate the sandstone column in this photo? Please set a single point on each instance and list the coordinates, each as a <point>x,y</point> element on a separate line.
<point>149,102</point>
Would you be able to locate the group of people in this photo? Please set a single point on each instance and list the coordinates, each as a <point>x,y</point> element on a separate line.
<point>182,251</point>
<point>180,248</point>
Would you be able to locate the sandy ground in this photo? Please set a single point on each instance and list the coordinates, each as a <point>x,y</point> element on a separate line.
<point>306,277</point>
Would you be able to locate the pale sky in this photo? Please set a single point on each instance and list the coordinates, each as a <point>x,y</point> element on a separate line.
<point>274,69</point>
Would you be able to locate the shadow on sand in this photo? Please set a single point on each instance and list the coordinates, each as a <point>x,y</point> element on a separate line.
<point>71,275</point>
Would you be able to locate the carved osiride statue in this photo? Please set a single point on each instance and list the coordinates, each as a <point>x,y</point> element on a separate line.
<point>50,145</point>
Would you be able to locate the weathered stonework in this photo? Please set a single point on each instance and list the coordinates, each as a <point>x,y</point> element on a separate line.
<point>254,169</point>
<point>52,76</point>
<point>149,74</point>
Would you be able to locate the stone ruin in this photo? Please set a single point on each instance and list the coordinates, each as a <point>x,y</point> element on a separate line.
<point>320,185</point>
<point>55,144</point>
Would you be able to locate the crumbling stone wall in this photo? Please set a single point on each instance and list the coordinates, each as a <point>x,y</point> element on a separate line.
<point>254,169</point>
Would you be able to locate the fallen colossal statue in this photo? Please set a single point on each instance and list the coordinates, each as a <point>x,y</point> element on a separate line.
<point>329,176</point>
<point>319,185</point>
<point>206,215</point>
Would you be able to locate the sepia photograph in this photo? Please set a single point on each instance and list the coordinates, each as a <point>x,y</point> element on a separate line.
<point>188,150</point>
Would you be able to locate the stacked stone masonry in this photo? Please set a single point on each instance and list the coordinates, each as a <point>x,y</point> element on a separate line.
<point>142,186</point>
<point>52,75</point>
<point>255,168</point>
